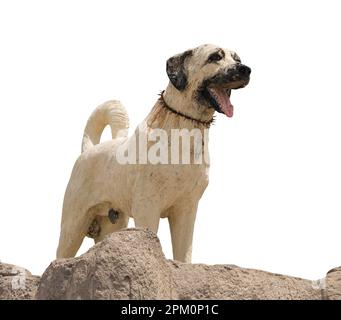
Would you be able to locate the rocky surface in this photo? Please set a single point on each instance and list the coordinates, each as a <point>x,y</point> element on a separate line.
<point>333,284</point>
<point>17,283</point>
<point>130,265</point>
<point>233,283</point>
<point>126,265</point>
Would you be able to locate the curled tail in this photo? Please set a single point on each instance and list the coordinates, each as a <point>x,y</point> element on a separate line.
<point>110,113</point>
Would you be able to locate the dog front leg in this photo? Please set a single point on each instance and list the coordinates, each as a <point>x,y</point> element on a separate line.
<point>146,215</point>
<point>181,223</point>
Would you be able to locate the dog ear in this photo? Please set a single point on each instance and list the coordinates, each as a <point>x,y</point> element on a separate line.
<point>176,70</point>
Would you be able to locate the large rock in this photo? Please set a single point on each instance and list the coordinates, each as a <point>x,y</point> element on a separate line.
<point>17,283</point>
<point>130,265</point>
<point>333,284</point>
<point>228,282</point>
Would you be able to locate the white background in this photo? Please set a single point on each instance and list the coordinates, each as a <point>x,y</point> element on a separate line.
<point>273,201</point>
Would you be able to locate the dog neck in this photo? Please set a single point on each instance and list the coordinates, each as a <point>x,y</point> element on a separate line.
<point>174,110</point>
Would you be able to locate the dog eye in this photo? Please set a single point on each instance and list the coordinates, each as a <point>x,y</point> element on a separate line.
<point>235,57</point>
<point>214,57</point>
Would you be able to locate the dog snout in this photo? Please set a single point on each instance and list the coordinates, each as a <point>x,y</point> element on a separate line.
<point>243,70</point>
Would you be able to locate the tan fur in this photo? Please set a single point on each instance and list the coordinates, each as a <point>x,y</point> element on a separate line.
<point>144,192</point>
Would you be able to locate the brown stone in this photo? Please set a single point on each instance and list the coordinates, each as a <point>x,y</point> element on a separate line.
<point>333,284</point>
<point>128,264</point>
<point>228,282</point>
<point>17,283</point>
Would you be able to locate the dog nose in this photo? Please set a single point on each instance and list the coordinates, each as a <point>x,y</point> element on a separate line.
<point>243,70</point>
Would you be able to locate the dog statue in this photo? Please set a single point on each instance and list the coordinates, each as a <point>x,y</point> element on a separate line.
<point>103,193</point>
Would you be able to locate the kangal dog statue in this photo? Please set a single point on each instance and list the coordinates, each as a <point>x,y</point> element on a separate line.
<point>103,192</point>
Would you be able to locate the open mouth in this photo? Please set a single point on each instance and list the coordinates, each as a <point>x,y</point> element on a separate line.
<point>218,96</point>
<point>215,92</point>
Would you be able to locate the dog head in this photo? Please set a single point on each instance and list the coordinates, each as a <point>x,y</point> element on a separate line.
<point>206,75</point>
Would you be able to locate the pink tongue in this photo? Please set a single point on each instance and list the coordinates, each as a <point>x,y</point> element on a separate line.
<point>223,100</point>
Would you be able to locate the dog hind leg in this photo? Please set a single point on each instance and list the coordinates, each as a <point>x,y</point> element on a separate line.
<point>72,234</point>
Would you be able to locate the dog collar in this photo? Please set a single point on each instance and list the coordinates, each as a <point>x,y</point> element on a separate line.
<point>207,124</point>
